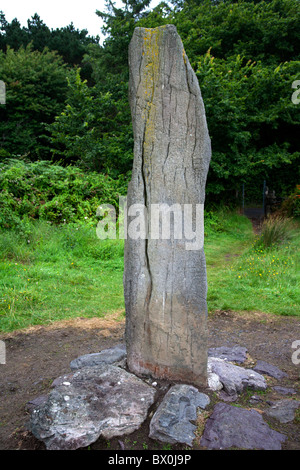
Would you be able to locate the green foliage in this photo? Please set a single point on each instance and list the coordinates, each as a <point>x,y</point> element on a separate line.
<point>57,194</point>
<point>246,59</point>
<point>257,30</point>
<point>251,120</point>
<point>119,24</point>
<point>291,205</point>
<point>90,131</point>
<point>70,43</point>
<point>35,92</point>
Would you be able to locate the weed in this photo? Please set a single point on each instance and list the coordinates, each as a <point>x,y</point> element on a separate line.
<point>275,230</point>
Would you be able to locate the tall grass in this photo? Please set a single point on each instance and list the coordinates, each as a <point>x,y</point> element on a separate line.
<point>276,230</point>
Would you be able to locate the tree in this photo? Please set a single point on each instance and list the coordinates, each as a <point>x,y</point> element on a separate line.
<point>265,30</point>
<point>38,34</point>
<point>90,130</point>
<point>252,122</point>
<point>70,43</point>
<point>35,92</point>
<point>118,26</point>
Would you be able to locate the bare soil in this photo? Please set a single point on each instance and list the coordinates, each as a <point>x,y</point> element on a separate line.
<point>38,355</point>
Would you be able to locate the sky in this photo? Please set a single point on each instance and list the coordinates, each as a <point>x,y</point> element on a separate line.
<point>59,13</point>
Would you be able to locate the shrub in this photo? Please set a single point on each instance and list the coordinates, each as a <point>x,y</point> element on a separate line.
<point>291,206</point>
<point>47,191</point>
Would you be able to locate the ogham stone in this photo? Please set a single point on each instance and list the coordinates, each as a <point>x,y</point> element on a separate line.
<point>165,280</point>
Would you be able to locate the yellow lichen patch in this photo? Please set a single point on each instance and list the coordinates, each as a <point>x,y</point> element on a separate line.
<point>150,78</point>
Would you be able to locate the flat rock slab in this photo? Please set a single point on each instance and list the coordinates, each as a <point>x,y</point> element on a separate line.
<point>172,420</point>
<point>283,410</point>
<point>233,427</point>
<point>104,400</point>
<point>106,356</point>
<point>234,378</point>
<point>284,390</point>
<point>263,367</point>
<point>231,354</point>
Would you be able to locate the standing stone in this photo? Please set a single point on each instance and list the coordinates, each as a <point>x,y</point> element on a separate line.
<point>165,277</point>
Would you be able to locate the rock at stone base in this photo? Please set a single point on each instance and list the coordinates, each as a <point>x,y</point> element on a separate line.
<point>231,426</point>
<point>35,402</point>
<point>283,410</point>
<point>106,356</point>
<point>98,401</point>
<point>263,367</point>
<point>213,381</point>
<point>231,354</point>
<point>172,420</point>
<point>284,390</point>
<point>235,378</point>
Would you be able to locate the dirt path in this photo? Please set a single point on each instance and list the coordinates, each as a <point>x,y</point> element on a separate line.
<point>38,355</point>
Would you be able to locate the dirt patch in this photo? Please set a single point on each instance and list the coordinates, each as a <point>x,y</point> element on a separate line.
<point>38,355</point>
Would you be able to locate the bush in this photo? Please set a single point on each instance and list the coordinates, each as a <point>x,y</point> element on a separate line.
<point>42,190</point>
<point>291,206</point>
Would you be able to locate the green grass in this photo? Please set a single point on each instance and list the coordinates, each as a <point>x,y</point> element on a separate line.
<point>260,278</point>
<point>61,272</point>
<point>58,273</point>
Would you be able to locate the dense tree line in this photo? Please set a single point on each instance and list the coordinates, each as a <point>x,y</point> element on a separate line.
<point>67,94</point>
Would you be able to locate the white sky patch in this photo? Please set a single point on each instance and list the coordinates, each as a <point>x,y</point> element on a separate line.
<point>58,13</point>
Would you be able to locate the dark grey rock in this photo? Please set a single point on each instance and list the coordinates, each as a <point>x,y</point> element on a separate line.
<point>61,379</point>
<point>284,390</point>
<point>231,426</point>
<point>172,420</point>
<point>263,367</point>
<point>106,356</point>
<point>283,410</point>
<point>35,402</point>
<point>234,378</point>
<point>232,354</point>
<point>165,281</point>
<point>104,400</point>
<point>255,399</point>
<point>227,398</point>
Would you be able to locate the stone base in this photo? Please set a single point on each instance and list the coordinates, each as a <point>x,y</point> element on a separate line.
<point>173,374</point>
<point>105,400</point>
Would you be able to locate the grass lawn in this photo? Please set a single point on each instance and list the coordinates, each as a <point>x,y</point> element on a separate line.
<point>65,271</point>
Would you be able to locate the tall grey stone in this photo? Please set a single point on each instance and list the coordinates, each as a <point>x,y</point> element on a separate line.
<point>165,277</point>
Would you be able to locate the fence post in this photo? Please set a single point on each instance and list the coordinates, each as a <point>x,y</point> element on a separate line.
<point>264,199</point>
<point>243,197</point>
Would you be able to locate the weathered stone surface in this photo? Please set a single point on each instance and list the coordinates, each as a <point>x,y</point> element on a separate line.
<point>231,426</point>
<point>172,420</point>
<point>104,400</point>
<point>283,410</point>
<point>165,279</point>
<point>235,378</point>
<point>106,356</point>
<point>213,381</point>
<point>263,367</point>
<point>232,354</point>
<point>284,390</point>
<point>35,402</point>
